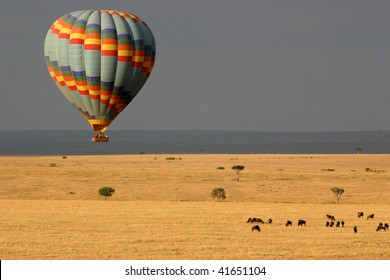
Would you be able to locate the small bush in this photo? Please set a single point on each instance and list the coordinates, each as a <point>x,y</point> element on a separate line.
<point>53,165</point>
<point>218,193</point>
<point>106,192</point>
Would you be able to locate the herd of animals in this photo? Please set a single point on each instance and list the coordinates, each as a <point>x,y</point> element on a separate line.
<point>329,223</point>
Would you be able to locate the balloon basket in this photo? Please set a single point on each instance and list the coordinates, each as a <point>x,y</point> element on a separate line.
<point>100,138</point>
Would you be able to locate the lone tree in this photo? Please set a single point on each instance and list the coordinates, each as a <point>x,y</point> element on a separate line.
<point>106,192</point>
<point>238,169</point>
<point>358,150</point>
<point>218,193</point>
<point>337,192</point>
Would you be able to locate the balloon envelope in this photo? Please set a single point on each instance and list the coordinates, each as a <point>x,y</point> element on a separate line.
<point>99,59</point>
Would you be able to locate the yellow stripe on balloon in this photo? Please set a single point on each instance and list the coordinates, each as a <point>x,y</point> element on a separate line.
<point>92,41</point>
<point>66,30</point>
<point>138,58</point>
<point>109,47</point>
<point>82,87</point>
<point>125,53</point>
<point>70,83</point>
<point>94,92</point>
<point>76,35</point>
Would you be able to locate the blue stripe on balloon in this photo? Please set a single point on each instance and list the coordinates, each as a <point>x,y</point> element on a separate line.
<point>81,21</point>
<point>107,84</point>
<point>124,36</point>
<point>93,79</point>
<point>65,68</point>
<point>139,42</point>
<point>108,31</point>
<point>93,25</point>
<point>78,73</point>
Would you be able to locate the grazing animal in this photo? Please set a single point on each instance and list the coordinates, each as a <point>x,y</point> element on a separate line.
<point>327,224</point>
<point>342,223</point>
<point>330,217</point>
<point>256,228</point>
<point>370,216</point>
<point>255,220</point>
<point>270,221</point>
<point>380,227</point>
<point>301,223</point>
<point>260,221</point>
<point>338,224</point>
<point>386,226</point>
<point>360,214</point>
<point>331,224</point>
<point>289,223</point>
<point>355,229</point>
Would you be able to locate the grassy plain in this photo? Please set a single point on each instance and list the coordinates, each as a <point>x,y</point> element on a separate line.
<point>50,207</point>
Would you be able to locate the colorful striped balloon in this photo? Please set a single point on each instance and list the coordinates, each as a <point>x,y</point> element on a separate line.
<point>100,59</point>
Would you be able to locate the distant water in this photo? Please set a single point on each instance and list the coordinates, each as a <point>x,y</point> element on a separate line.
<point>192,141</point>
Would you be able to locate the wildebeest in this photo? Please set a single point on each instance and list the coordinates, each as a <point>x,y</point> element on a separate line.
<point>355,229</point>
<point>301,223</point>
<point>380,227</point>
<point>256,228</point>
<point>370,216</point>
<point>331,224</point>
<point>289,223</point>
<point>327,224</point>
<point>270,221</point>
<point>331,217</point>
<point>360,214</point>
<point>342,223</point>
<point>386,225</point>
<point>255,220</point>
<point>259,220</point>
<point>338,224</point>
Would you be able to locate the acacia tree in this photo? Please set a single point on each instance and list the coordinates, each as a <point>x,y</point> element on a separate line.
<point>218,193</point>
<point>358,150</point>
<point>337,192</point>
<point>238,169</point>
<point>106,192</point>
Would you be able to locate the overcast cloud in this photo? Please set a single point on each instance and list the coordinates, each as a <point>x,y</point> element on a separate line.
<point>263,65</point>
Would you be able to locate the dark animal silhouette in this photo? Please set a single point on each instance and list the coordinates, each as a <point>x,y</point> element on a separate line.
<point>331,224</point>
<point>256,228</point>
<point>355,229</point>
<point>327,224</point>
<point>255,220</point>
<point>360,214</point>
<point>381,227</point>
<point>386,225</point>
<point>342,223</point>
<point>289,223</point>
<point>330,217</point>
<point>260,221</point>
<point>270,221</point>
<point>301,223</point>
<point>338,224</point>
<point>370,216</point>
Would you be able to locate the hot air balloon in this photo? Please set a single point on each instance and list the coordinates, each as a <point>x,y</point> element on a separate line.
<point>100,60</point>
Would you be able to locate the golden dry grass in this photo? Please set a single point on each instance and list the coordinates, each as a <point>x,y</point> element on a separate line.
<point>162,208</point>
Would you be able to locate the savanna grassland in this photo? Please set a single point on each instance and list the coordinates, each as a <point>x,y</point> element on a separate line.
<point>161,209</point>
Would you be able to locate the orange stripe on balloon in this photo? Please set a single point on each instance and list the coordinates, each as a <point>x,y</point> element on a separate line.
<point>109,53</point>
<point>92,47</point>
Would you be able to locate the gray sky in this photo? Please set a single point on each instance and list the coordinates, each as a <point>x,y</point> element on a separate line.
<point>263,65</point>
